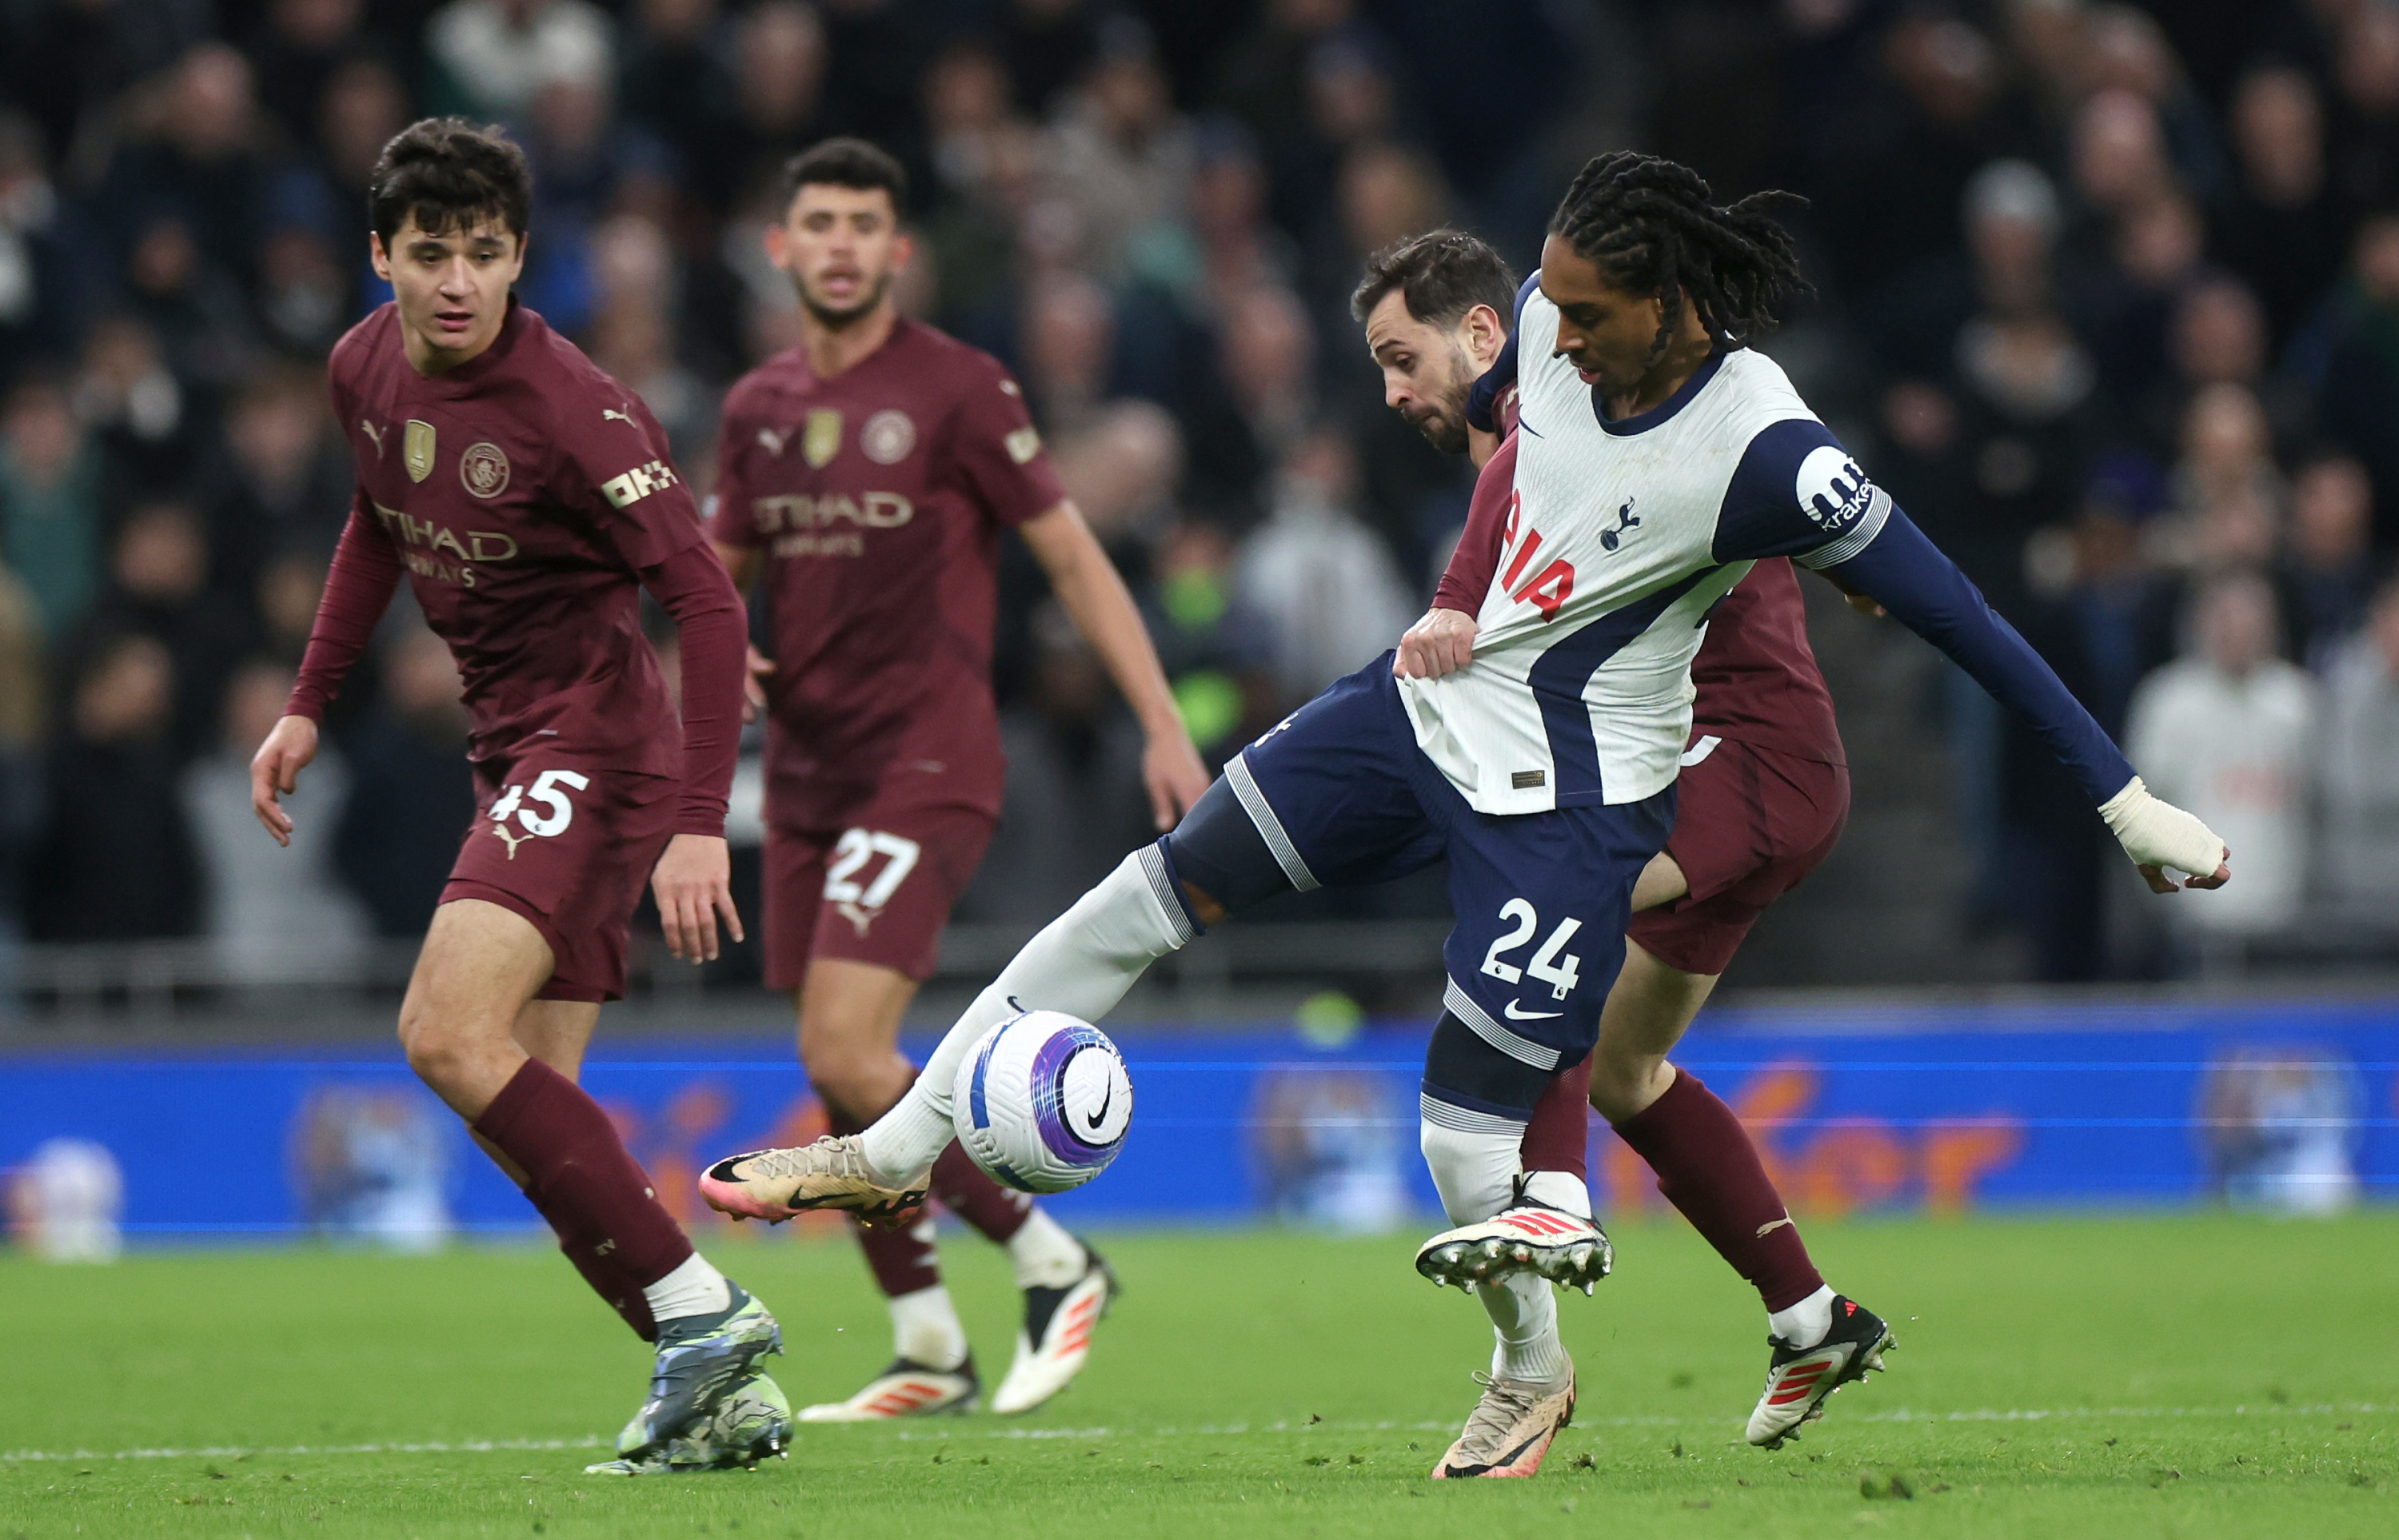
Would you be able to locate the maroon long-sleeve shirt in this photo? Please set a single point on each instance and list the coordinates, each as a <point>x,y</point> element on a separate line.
<point>529,498</point>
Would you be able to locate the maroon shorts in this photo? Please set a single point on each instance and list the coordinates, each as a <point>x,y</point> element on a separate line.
<point>1749,823</point>
<point>569,845</point>
<point>877,891</point>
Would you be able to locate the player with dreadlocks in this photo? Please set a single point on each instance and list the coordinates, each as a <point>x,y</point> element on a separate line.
<point>1658,460</point>
<point>1762,796</point>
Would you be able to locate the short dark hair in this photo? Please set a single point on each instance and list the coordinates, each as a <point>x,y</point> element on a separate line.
<point>848,162</point>
<point>1441,275</point>
<point>450,173</point>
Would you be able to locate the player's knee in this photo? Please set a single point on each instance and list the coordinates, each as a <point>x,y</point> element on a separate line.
<point>438,1056</point>
<point>1218,855</point>
<point>856,1082</point>
<point>1623,1084</point>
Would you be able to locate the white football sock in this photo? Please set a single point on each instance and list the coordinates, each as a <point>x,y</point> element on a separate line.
<point>1524,1318</point>
<point>1045,1254</point>
<point>1807,1323</point>
<point>1559,1190</point>
<point>1081,962</point>
<point>925,1328</point>
<point>1474,1170</point>
<point>694,1288</point>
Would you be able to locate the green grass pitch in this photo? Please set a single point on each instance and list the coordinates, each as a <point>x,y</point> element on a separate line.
<point>2203,1375</point>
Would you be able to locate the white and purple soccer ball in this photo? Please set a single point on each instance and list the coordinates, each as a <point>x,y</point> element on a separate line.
<point>1042,1101</point>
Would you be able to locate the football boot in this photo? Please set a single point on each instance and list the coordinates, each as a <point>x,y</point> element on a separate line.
<point>1800,1381</point>
<point>753,1423</point>
<point>830,1173</point>
<point>1056,1337</point>
<point>1511,1429</point>
<point>700,1359</point>
<point>1563,1247</point>
<point>905,1389</point>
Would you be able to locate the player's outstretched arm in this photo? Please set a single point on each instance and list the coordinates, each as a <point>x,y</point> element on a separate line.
<point>1907,574</point>
<point>1096,600</point>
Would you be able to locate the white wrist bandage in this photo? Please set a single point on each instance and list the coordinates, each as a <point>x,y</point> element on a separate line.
<point>2158,833</point>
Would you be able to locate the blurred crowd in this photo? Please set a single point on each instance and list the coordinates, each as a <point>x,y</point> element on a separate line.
<point>2107,297</point>
<point>2116,296</point>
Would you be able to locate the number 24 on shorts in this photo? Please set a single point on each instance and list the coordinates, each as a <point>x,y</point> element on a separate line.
<point>1560,973</point>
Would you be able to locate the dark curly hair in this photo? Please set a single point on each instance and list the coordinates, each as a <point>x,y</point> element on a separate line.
<point>1647,223</point>
<point>450,173</point>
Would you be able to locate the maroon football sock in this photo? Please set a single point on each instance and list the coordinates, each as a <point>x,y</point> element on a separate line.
<point>599,1270</point>
<point>967,1191</point>
<point>902,1260</point>
<point>612,1284</point>
<point>1707,1167</point>
<point>1558,1138</point>
<point>577,1172</point>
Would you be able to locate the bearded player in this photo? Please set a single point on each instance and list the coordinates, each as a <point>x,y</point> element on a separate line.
<point>1659,458</point>
<point>865,477</point>
<point>529,500</point>
<point>1762,794</point>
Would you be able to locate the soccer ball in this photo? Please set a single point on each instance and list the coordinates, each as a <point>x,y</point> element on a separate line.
<point>1042,1101</point>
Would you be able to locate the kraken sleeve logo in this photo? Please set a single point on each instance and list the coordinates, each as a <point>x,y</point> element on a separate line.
<point>1833,491</point>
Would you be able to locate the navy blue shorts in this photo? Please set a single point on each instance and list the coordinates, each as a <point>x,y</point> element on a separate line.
<point>1343,796</point>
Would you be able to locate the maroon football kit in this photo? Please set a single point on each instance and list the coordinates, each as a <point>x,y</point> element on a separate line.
<point>1760,799</point>
<point>528,498</point>
<point>876,499</point>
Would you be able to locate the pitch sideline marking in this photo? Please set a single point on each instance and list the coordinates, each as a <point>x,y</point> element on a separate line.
<point>1899,1414</point>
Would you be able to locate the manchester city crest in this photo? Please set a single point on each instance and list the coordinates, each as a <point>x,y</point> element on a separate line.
<point>821,441</point>
<point>484,469</point>
<point>416,450</point>
<point>888,437</point>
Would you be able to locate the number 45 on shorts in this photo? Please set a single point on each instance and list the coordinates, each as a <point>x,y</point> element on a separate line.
<point>545,794</point>
<point>1560,973</point>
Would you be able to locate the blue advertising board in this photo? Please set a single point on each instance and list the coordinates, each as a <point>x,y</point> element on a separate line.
<point>1855,1108</point>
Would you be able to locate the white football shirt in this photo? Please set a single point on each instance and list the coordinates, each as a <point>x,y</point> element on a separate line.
<point>1621,537</point>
